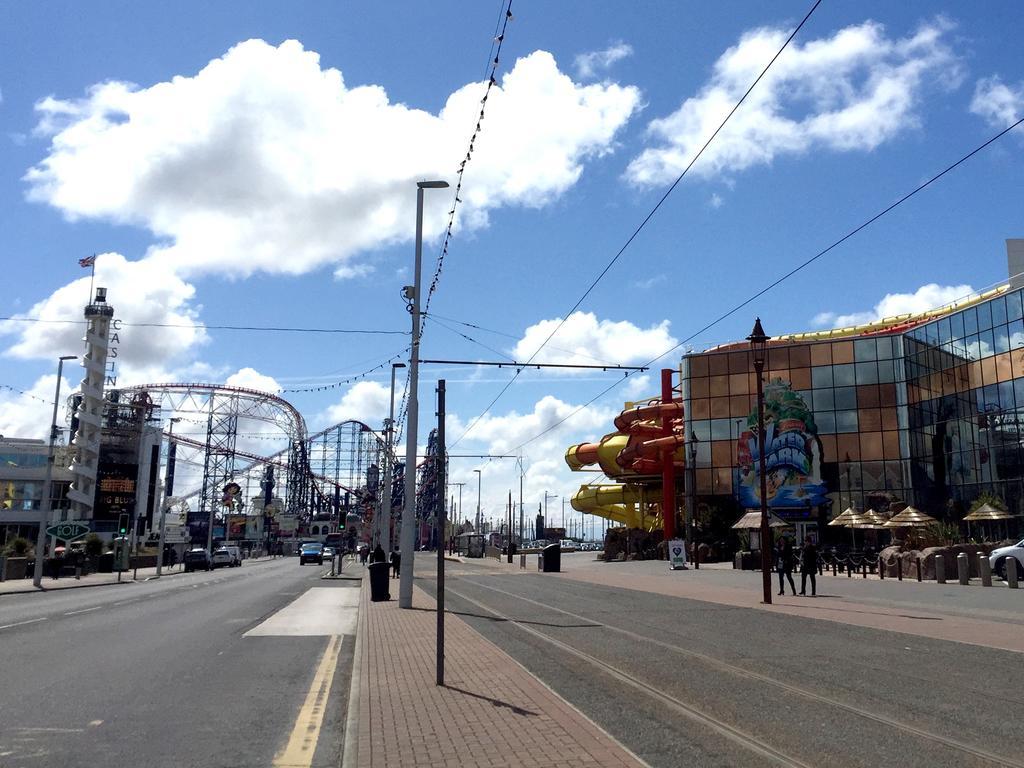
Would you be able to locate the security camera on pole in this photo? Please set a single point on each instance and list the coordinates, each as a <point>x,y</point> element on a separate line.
<point>409,510</point>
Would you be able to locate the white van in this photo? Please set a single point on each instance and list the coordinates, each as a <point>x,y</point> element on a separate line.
<point>228,555</point>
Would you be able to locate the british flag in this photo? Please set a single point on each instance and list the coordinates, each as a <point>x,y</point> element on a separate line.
<point>88,261</point>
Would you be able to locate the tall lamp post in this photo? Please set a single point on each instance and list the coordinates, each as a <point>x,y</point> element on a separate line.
<point>547,523</point>
<point>384,518</point>
<point>476,525</point>
<point>409,510</point>
<point>758,345</point>
<point>46,504</point>
<point>168,490</point>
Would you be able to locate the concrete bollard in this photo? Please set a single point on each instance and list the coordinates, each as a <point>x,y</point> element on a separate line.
<point>835,568</point>
<point>881,568</point>
<point>963,569</point>
<point>940,569</point>
<point>864,570</point>
<point>985,568</point>
<point>522,562</point>
<point>849,569</point>
<point>1011,572</point>
<point>899,567</point>
<point>920,569</point>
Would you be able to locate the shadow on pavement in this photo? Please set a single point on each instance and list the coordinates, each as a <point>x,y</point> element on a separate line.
<point>496,702</point>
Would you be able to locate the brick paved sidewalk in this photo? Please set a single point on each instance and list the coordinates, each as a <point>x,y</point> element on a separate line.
<point>492,712</point>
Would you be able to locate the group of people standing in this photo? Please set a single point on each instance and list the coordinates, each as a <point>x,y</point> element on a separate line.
<point>378,556</point>
<point>785,561</point>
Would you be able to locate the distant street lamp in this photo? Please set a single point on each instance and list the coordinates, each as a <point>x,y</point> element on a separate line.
<point>384,517</point>
<point>476,527</point>
<point>412,293</point>
<point>46,503</point>
<point>758,345</point>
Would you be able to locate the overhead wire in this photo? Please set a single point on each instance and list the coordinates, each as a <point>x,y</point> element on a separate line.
<point>256,328</point>
<point>647,218</point>
<point>775,283</point>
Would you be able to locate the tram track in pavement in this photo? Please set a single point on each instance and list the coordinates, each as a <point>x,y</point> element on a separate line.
<point>730,731</point>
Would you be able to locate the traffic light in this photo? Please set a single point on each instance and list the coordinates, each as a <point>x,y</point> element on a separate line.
<point>122,524</point>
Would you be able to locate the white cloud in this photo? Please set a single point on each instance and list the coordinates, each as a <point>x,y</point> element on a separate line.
<point>28,414</point>
<point>999,104</point>
<point>585,340</point>
<point>931,296</point>
<point>716,200</point>
<point>649,282</point>
<point>352,271</point>
<point>851,91</point>
<point>592,63</point>
<point>365,401</point>
<point>249,378</point>
<point>263,160</point>
<point>141,292</point>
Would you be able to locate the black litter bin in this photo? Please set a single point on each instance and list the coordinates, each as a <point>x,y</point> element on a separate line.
<point>551,558</point>
<point>379,582</point>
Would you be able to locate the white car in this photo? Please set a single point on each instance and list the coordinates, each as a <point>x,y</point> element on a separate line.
<point>568,545</point>
<point>229,556</point>
<point>998,559</point>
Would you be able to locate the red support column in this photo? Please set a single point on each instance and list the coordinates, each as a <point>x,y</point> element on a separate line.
<point>668,469</point>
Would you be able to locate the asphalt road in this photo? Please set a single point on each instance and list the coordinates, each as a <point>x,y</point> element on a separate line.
<point>683,682</point>
<point>159,674</point>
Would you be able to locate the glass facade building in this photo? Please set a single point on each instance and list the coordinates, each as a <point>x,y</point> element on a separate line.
<point>919,410</point>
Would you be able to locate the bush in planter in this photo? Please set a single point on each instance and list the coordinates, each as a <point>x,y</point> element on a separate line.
<point>18,547</point>
<point>93,545</point>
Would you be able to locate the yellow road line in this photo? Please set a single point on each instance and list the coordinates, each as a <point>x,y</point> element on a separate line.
<point>298,753</point>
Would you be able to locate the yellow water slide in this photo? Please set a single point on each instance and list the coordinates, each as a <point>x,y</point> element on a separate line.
<point>622,503</point>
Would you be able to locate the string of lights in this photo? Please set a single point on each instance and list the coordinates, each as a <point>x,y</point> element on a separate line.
<point>24,393</point>
<point>646,219</point>
<point>778,281</point>
<point>255,328</point>
<point>497,41</point>
<point>349,379</point>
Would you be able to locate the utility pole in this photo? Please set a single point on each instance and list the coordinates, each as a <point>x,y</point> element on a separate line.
<point>413,412</point>
<point>440,538</point>
<point>384,529</point>
<point>479,474</point>
<point>46,505</point>
<point>508,546</point>
<point>521,473</point>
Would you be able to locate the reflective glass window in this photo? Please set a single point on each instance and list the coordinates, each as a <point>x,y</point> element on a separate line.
<point>842,352</point>
<point>718,364</point>
<point>719,386</point>
<point>1005,390</point>
<point>886,371</point>
<point>1002,335</point>
<point>970,321</point>
<point>987,343</point>
<point>984,316</point>
<point>945,334</point>
<point>700,387</point>
<point>800,357</point>
<point>867,373</point>
<point>973,344</point>
<point>1013,306</point>
<point>843,375</point>
<point>1016,333</point>
<point>846,421</point>
<point>998,311</point>
<point>988,399</point>
<point>702,429</point>
<point>826,422</point>
<point>821,376</point>
<point>698,365</point>
<point>957,325</point>
<point>1018,391</point>
<point>821,354</point>
<point>824,399</point>
<point>704,453</point>
<point>864,349</point>
<point>846,398</point>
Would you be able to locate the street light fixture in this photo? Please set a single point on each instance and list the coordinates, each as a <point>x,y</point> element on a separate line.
<point>46,504</point>
<point>413,412</point>
<point>479,475</point>
<point>758,345</point>
<point>383,527</point>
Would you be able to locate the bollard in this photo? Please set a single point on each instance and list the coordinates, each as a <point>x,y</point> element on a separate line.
<point>1011,572</point>
<point>864,569</point>
<point>920,569</point>
<point>522,562</point>
<point>985,568</point>
<point>940,569</point>
<point>835,568</point>
<point>849,569</point>
<point>963,569</point>
<point>899,568</point>
<point>881,569</point>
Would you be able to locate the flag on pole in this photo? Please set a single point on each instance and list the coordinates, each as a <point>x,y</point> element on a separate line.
<point>88,261</point>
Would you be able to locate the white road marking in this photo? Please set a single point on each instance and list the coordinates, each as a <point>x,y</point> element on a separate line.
<point>320,611</point>
<point>95,723</point>
<point>22,623</point>
<point>84,610</point>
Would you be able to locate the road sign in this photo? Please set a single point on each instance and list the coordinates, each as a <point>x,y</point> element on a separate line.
<point>68,530</point>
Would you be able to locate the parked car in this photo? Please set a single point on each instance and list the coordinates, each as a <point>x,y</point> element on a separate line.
<point>311,552</point>
<point>328,552</point>
<point>998,559</point>
<point>230,556</point>
<point>568,545</point>
<point>197,560</point>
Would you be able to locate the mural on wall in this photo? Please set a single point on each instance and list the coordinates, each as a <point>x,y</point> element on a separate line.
<point>792,453</point>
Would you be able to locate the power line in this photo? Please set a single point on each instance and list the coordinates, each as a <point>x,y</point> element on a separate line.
<point>267,328</point>
<point>783,278</point>
<point>646,219</point>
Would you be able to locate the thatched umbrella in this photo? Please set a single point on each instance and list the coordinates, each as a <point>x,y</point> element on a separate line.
<point>910,518</point>
<point>849,518</point>
<point>985,513</point>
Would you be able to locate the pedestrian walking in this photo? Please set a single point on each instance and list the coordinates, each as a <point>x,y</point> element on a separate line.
<point>364,551</point>
<point>808,566</point>
<point>784,564</point>
<point>396,563</point>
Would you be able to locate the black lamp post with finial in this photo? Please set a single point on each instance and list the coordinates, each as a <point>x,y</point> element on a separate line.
<point>758,346</point>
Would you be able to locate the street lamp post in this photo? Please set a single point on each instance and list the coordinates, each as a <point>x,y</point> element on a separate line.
<point>476,526</point>
<point>547,523</point>
<point>384,518</point>
<point>409,508</point>
<point>758,345</point>
<point>168,490</point>
<point>46,503</point>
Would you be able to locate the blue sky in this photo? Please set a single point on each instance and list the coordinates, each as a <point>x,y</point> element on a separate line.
<point>273,187</point>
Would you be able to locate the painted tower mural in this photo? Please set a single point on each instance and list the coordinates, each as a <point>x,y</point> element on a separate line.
<point>792,453</point>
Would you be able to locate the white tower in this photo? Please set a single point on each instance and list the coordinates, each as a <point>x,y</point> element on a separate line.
<point>86,444</point>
